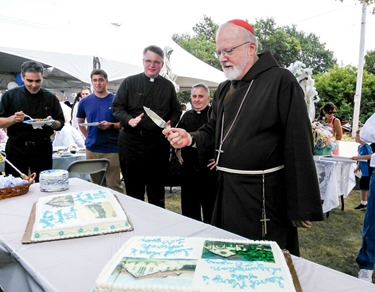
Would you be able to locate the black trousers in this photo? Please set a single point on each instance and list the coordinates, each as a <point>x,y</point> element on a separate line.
<point>198,192</point>
<point>144,166</point>
<point>28,156</point>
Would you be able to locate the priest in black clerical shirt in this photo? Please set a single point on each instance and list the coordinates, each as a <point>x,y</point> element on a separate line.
<point>144,152</point>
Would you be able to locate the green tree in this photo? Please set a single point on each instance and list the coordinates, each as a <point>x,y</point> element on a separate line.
<point>206,28</point>
<point>288,45</point>
<point>313,53</point>
<point>202,44</point>
<point>199,47</point>
<point>370,62</point>
<point>338,85</point>
<point>184,96</point>
<point>285,48</point>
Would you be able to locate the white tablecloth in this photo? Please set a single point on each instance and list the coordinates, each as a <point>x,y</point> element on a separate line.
<point>62,162</point>
<point>335,179</point>
<point>74,264</point>
<point>59,161</point>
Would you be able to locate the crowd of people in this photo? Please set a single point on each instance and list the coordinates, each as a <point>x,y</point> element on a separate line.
<point>245,154</point>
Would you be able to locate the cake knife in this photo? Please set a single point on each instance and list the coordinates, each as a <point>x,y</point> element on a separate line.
<point>155,117</point>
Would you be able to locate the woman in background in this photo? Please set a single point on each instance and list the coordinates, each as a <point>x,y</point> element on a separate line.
<point>85,91</point>
<point>327,116</point>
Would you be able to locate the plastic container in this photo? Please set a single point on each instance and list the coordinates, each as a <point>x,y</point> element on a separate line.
<point>54,180</point>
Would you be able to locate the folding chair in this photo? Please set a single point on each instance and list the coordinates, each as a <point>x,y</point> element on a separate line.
<point>90,166</point>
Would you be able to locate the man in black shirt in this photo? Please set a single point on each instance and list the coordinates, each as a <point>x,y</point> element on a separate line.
<point>29,147</point>
<point>144,152</point>
<point>198,186</point>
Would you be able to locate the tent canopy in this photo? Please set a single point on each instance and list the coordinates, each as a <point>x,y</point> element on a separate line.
<point>68,66</point>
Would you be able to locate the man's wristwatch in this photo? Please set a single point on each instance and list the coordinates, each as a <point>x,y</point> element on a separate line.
<point>112,126</point>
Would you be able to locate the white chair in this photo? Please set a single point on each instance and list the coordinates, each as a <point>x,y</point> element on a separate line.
<point>90,166</point>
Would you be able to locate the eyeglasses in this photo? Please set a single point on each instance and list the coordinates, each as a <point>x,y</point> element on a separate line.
<point>228,52</point>
<point>155,63</point>
<point>330,113</point>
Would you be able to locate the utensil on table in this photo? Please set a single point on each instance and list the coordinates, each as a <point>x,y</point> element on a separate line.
<point>155,117</point>
<point>23,176</point>
<point>27,116</point>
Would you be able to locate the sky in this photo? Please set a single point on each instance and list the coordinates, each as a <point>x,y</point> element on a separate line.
<point>337,24</point>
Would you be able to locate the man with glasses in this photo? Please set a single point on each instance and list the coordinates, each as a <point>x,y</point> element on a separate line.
<point>101,130</point>
<point>144,152</point>
<point>29,147</point>
<point>260,130</point>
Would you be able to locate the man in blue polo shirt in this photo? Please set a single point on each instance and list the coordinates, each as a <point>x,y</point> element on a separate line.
<point>102,128</point>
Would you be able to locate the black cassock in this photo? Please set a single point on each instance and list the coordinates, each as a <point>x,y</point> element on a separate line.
<point>144,151</point>
<point>270,128</point>
<point>199,183</point>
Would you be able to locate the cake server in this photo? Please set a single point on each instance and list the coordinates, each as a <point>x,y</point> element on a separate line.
<point>23,176</point>
<point>155,117</point>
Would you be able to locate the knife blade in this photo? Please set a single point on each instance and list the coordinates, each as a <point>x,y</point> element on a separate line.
<point>155,117</point>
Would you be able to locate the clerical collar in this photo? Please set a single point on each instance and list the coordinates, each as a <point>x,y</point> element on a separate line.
<point>151,79</point>
<point>201,111</point>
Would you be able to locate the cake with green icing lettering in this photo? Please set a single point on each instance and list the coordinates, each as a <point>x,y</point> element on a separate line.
<point>196,264</point>
<point>84,213</point>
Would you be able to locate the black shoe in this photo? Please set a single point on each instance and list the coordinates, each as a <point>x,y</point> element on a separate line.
<point>360,206</point>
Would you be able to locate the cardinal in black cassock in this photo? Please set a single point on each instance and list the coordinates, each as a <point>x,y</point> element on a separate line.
<point>261,132</point>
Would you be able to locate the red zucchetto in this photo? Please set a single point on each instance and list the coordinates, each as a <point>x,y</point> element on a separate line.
<point>244,24</point>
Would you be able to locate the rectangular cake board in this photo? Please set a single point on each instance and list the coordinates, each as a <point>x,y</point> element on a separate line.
<point>29,226</point>
<point>26,239</point>
<point>292,269</point>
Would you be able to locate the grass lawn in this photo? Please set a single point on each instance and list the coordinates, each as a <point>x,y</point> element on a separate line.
<point>336,241</point>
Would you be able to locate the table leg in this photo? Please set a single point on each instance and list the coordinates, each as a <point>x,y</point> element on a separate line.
<point>342,203</point>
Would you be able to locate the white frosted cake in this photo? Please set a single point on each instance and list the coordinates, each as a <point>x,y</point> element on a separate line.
<point>167,264</point>
<point>78,214</point>
<point>54,180</point>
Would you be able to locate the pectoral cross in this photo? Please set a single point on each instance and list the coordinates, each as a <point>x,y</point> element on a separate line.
<point>219,151</point>
<point>264,220</point>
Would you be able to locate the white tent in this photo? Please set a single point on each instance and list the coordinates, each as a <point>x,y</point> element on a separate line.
<point>128,46</point>
<point>69,57</point>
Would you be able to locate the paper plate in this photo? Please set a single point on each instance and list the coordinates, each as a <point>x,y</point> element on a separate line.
<point>90,124</point>
<point>38,122</point>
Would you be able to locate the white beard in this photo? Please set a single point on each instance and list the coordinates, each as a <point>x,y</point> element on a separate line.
<point>236,72</point>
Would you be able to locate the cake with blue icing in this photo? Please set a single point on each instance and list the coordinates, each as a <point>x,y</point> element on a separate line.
<point>196,264</point>
<point>84,213</point>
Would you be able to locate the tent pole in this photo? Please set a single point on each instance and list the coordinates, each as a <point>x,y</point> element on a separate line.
<point>358,91</point>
